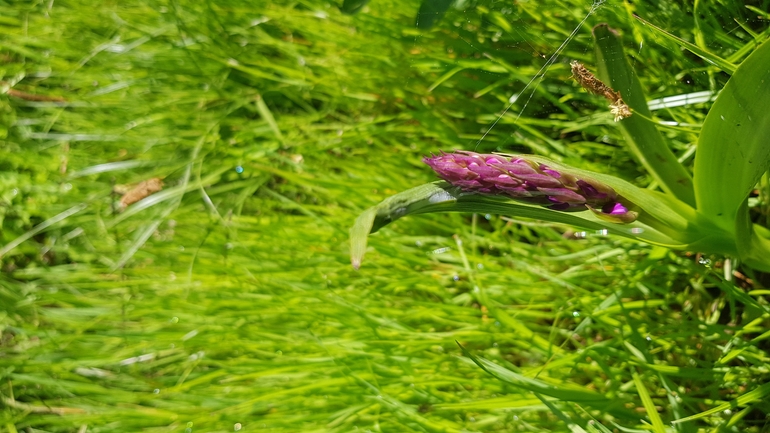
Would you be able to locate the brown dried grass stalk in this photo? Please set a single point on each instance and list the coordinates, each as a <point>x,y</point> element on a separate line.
<point>594,85</point>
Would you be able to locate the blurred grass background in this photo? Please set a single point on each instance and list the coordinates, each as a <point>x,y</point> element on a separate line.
<point>226,302</point>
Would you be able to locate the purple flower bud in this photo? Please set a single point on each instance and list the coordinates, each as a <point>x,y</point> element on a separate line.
<point>614,208</point>
<point>522,179</point>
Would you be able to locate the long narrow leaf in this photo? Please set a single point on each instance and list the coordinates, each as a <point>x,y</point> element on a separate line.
<point>351,7</point>
<point>431,12</point>
<point>710,57</point>
<point>757,394</point>
<point>649,405</point>
<point>642,137</point>
<point>562,391</point>
<point>442,197</point>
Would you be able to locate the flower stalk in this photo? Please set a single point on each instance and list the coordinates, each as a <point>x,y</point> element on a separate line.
<point>523,179</point>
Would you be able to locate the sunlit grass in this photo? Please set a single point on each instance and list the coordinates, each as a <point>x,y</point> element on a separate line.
<point>227,301</point>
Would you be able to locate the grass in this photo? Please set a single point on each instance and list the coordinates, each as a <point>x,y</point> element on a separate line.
<point>227,301</point>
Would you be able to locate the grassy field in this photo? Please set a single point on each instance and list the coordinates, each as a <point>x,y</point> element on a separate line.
<point>226,301</point>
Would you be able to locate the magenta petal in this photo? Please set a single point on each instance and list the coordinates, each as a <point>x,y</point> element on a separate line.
<point>563,195</point>
<point>485,171</point>
<point>544,168</point>
<point>614,208</point>
<point>541,180</point>
<point>505,180</point>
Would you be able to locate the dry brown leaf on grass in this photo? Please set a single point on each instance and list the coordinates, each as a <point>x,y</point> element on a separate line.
<point>29,96</point>
<point>141,190</point>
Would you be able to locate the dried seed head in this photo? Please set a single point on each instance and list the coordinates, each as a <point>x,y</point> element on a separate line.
<point>588,81</point>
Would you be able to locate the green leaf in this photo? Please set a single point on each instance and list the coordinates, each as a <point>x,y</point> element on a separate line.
<point>658,223</point>
<point>708,56</point>
<point>649,405</point>
<point>642,137</point>
<point>573,428</point>
<point>757,394</point>
<point>351,7</point>
<point>563,391</point>
<point>431,12</point>
<point>732,148</point>
<point>596,427</point>
<point>268,117</point>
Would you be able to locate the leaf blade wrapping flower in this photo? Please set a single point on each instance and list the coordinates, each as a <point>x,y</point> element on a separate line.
<point>521,179</point>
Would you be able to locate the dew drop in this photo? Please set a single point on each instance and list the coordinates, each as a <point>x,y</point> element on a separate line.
<point>439,197</point>
<point>258,21</point>
<point>238,169</point>
<point>398,213</point>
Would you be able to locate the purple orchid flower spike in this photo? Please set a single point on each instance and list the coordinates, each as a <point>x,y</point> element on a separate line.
<point>526,180</point>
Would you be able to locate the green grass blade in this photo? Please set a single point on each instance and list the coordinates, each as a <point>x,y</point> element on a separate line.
<point>574,428</point>
<point>562,391</point>
<point>42,227</point>
<point>641,135</point>
<point>445,77</point>
<point>710,57</point>
<point>732,148</point>
<point>268,117</point>
<point>431,12</point>
<point>649,405</point>
<point>596,427</point>
<point>353,6</point>
<point>757,394</point>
